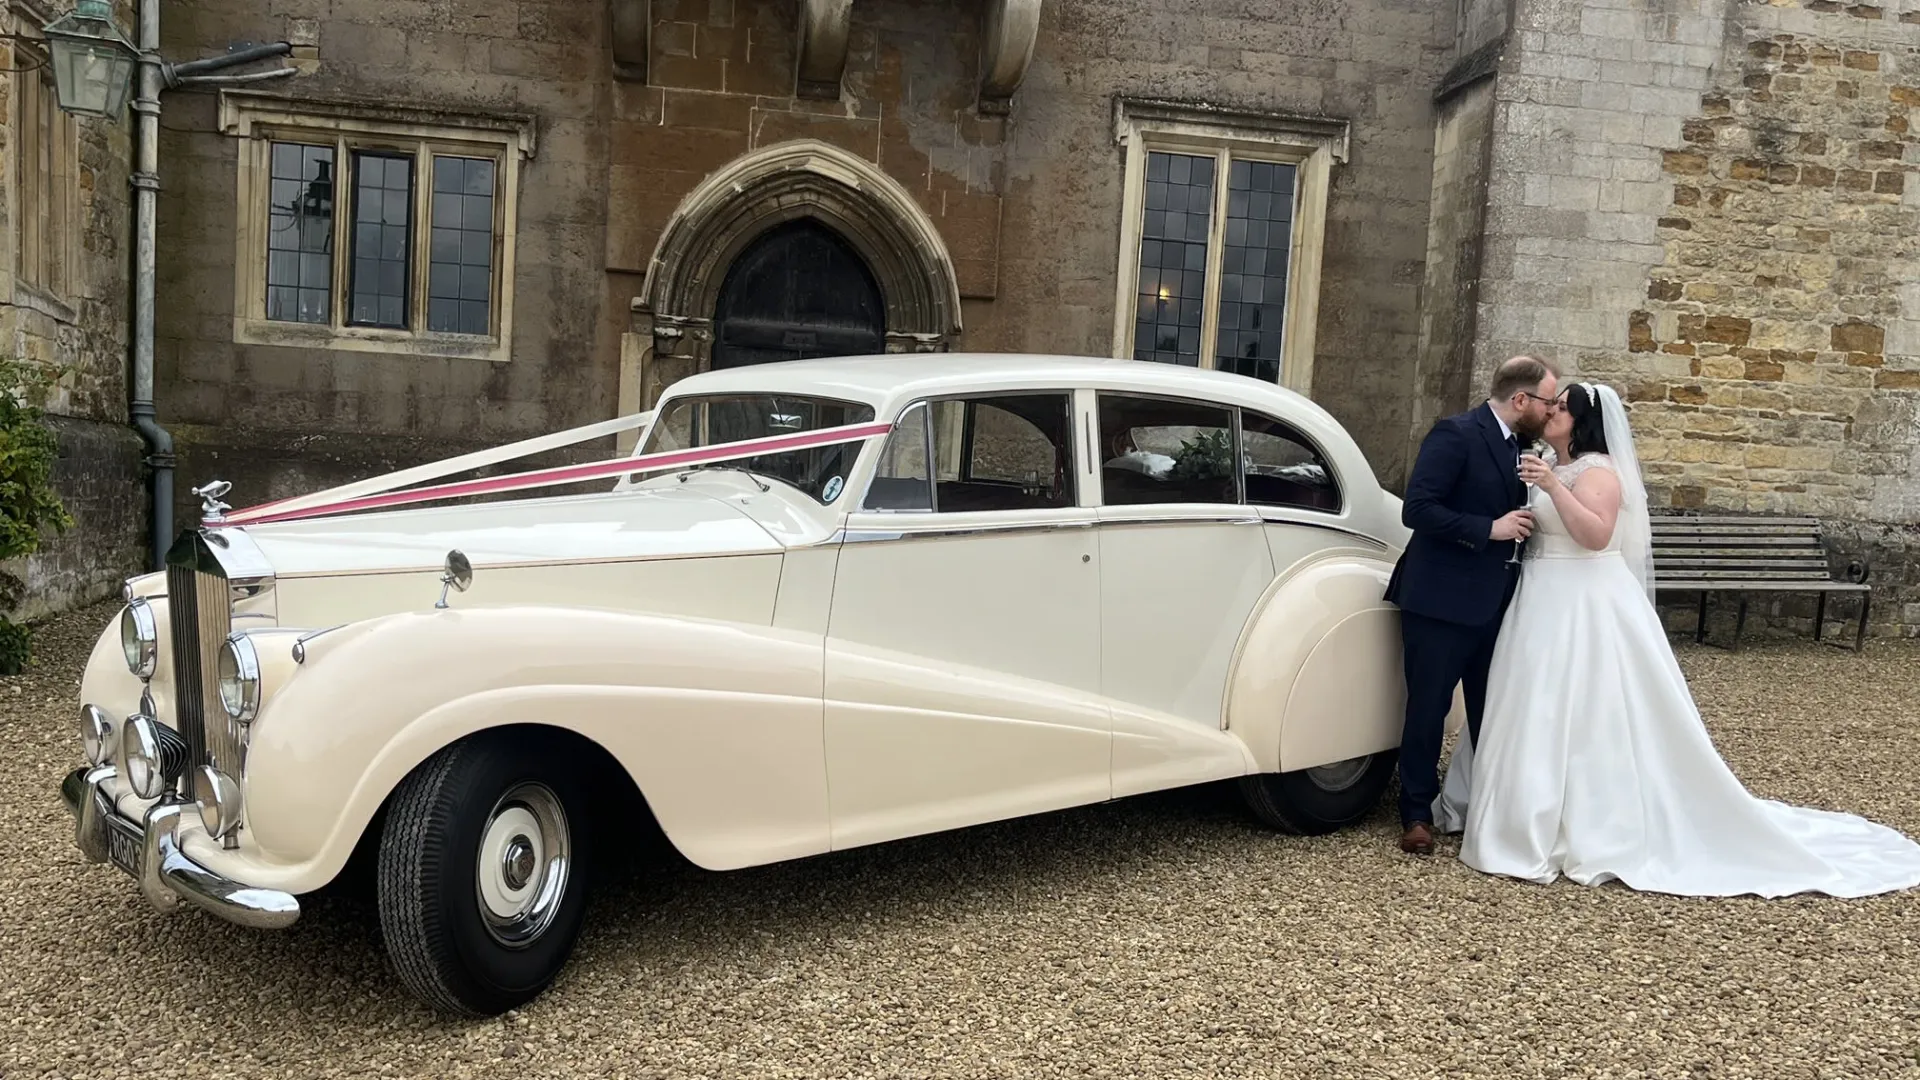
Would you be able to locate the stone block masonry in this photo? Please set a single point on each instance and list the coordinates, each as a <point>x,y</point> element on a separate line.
<point>1775,357</point>
<point>64,303</point>
<point>1727,189</point>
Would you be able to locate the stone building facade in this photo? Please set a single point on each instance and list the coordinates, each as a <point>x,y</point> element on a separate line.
<point>970,163</point>
<point>63,305</point>
<point>1709,206</point>
<point>469,221</point>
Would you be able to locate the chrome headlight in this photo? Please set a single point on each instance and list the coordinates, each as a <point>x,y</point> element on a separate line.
<point>139,638</point>
<point>96,731</point>
<point>153,756</point>
<point>240,678</point>
<point>140,757</point>
<point>220,807</point>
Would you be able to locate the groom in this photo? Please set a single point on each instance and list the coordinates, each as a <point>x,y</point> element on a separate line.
<point>1453,582</point>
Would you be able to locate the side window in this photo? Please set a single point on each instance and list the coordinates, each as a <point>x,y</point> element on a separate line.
<point>903,479</point>
<point>1158,450</point>
<point>1004,452</point>
<point>1283,469</point>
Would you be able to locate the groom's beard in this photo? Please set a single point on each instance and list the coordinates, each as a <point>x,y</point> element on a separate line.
<point>1528,430</point>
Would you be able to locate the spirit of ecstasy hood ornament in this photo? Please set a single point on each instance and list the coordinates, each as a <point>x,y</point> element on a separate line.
<point>211,508</point>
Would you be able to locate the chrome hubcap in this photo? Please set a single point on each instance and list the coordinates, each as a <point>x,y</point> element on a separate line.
<point>526,857</point>
<point>1339,775</point>
<point>517,864</point>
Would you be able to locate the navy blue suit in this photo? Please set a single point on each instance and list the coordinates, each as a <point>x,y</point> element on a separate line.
<point>1452,586</point>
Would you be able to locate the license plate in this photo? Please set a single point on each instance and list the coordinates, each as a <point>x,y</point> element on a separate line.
<point>123,848</point>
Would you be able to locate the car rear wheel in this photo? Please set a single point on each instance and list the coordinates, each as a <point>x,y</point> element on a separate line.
<point>1311,802</point>
<point>480,874</point>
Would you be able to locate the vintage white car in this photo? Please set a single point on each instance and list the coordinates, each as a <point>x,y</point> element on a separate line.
<point>844,601</point>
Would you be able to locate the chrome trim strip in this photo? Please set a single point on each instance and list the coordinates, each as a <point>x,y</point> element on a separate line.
<point>300,643</point>
<point>1327,526</point>
<point>859,535</point>
<point>1185,519</point>
<point>862,534</point>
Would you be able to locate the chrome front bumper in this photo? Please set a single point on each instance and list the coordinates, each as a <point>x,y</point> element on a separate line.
<point>151,854</point>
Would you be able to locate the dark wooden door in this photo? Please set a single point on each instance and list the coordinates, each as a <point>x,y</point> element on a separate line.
<point>797,291</point>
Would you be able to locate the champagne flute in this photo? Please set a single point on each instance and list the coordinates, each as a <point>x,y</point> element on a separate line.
<point>1526,500</point>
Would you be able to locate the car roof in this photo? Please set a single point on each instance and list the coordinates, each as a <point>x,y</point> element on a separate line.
<point>889,381</point>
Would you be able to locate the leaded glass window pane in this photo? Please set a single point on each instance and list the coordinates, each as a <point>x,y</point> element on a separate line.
<point>300,233</point>
<point>460,276</point>
<point>1253,272</point>
<point>1173,258</point>
<point>382,239</point>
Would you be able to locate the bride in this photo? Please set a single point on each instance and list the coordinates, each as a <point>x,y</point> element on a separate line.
<point>1593,760</point>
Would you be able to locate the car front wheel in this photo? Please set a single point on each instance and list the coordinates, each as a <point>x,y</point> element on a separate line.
<point>480,874</point>
<point>1320,800</point>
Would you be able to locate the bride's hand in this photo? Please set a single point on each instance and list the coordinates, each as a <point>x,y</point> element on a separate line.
<point>1535,471</point>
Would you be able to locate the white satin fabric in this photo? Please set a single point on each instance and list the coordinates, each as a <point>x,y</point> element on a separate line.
<point>1594,763</point>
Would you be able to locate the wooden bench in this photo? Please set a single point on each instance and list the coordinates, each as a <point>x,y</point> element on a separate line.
<point>1748,555</point>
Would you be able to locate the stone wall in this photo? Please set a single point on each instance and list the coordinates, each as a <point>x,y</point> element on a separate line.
<point>1790,290</point>
<point>1028,204</point>
<point>79,326</point>
<point>1707,206</point>
<point>1443,384</point>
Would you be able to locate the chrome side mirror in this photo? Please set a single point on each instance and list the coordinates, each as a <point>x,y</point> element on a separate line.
<point>457,575</point>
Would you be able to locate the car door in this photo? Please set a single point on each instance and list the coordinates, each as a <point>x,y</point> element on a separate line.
<point>963,652</point>
<point>1183,562</point>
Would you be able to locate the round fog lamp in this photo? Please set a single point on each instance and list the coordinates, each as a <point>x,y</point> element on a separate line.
<point>140,756</point>
<point>220,806</point>
<point>95,731</point>
<point>139,638</point>
<point>239,678</point>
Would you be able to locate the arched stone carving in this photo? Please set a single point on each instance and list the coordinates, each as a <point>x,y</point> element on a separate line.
<point>671,331</point>
<point>1010,29</point>
<point>825,27</point>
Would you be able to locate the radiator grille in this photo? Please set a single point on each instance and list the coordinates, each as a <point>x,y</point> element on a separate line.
<point>200,606</point>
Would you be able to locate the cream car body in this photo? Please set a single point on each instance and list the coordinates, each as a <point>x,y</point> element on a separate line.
<point>777,675</point>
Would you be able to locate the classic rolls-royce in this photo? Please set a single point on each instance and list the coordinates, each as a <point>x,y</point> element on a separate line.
<point>819,604</point>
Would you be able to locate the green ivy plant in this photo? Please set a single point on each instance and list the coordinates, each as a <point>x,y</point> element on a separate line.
<point>29,506</point>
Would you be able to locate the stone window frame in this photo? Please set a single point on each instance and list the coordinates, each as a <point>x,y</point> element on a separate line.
<point>258,120</point>
<point>46,209</point>
<point>1312,145</point>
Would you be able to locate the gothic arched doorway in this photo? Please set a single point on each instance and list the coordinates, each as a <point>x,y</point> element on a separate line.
<point>798,290</point>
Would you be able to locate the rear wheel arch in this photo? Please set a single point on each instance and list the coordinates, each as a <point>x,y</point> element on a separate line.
<point>1315,691</point>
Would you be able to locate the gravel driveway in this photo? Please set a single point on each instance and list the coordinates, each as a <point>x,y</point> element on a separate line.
<point>1160,937</point>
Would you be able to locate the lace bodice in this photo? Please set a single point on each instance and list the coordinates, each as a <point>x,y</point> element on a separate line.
<point>1550,536</point>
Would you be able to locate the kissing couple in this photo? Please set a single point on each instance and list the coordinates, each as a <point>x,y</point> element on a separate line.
<point>1584,753</point>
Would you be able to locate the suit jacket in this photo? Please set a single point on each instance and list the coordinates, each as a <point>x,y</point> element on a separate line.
<point>1462,480</point>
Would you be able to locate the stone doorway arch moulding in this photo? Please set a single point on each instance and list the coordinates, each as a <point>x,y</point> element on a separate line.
<point>670,331</point>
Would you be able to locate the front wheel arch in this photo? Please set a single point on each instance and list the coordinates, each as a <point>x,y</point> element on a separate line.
<point>618,804</point>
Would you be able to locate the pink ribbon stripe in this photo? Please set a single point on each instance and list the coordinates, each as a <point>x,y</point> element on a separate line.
<point>567,474</point>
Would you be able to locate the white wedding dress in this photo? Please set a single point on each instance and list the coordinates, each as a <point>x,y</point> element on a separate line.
<point>1594,763</point>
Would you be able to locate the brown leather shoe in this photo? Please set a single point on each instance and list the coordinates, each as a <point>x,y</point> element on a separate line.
<point>1418,839</point>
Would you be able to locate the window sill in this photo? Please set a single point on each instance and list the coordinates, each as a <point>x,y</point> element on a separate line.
<point>367,340</point>
<point>35,298</point>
